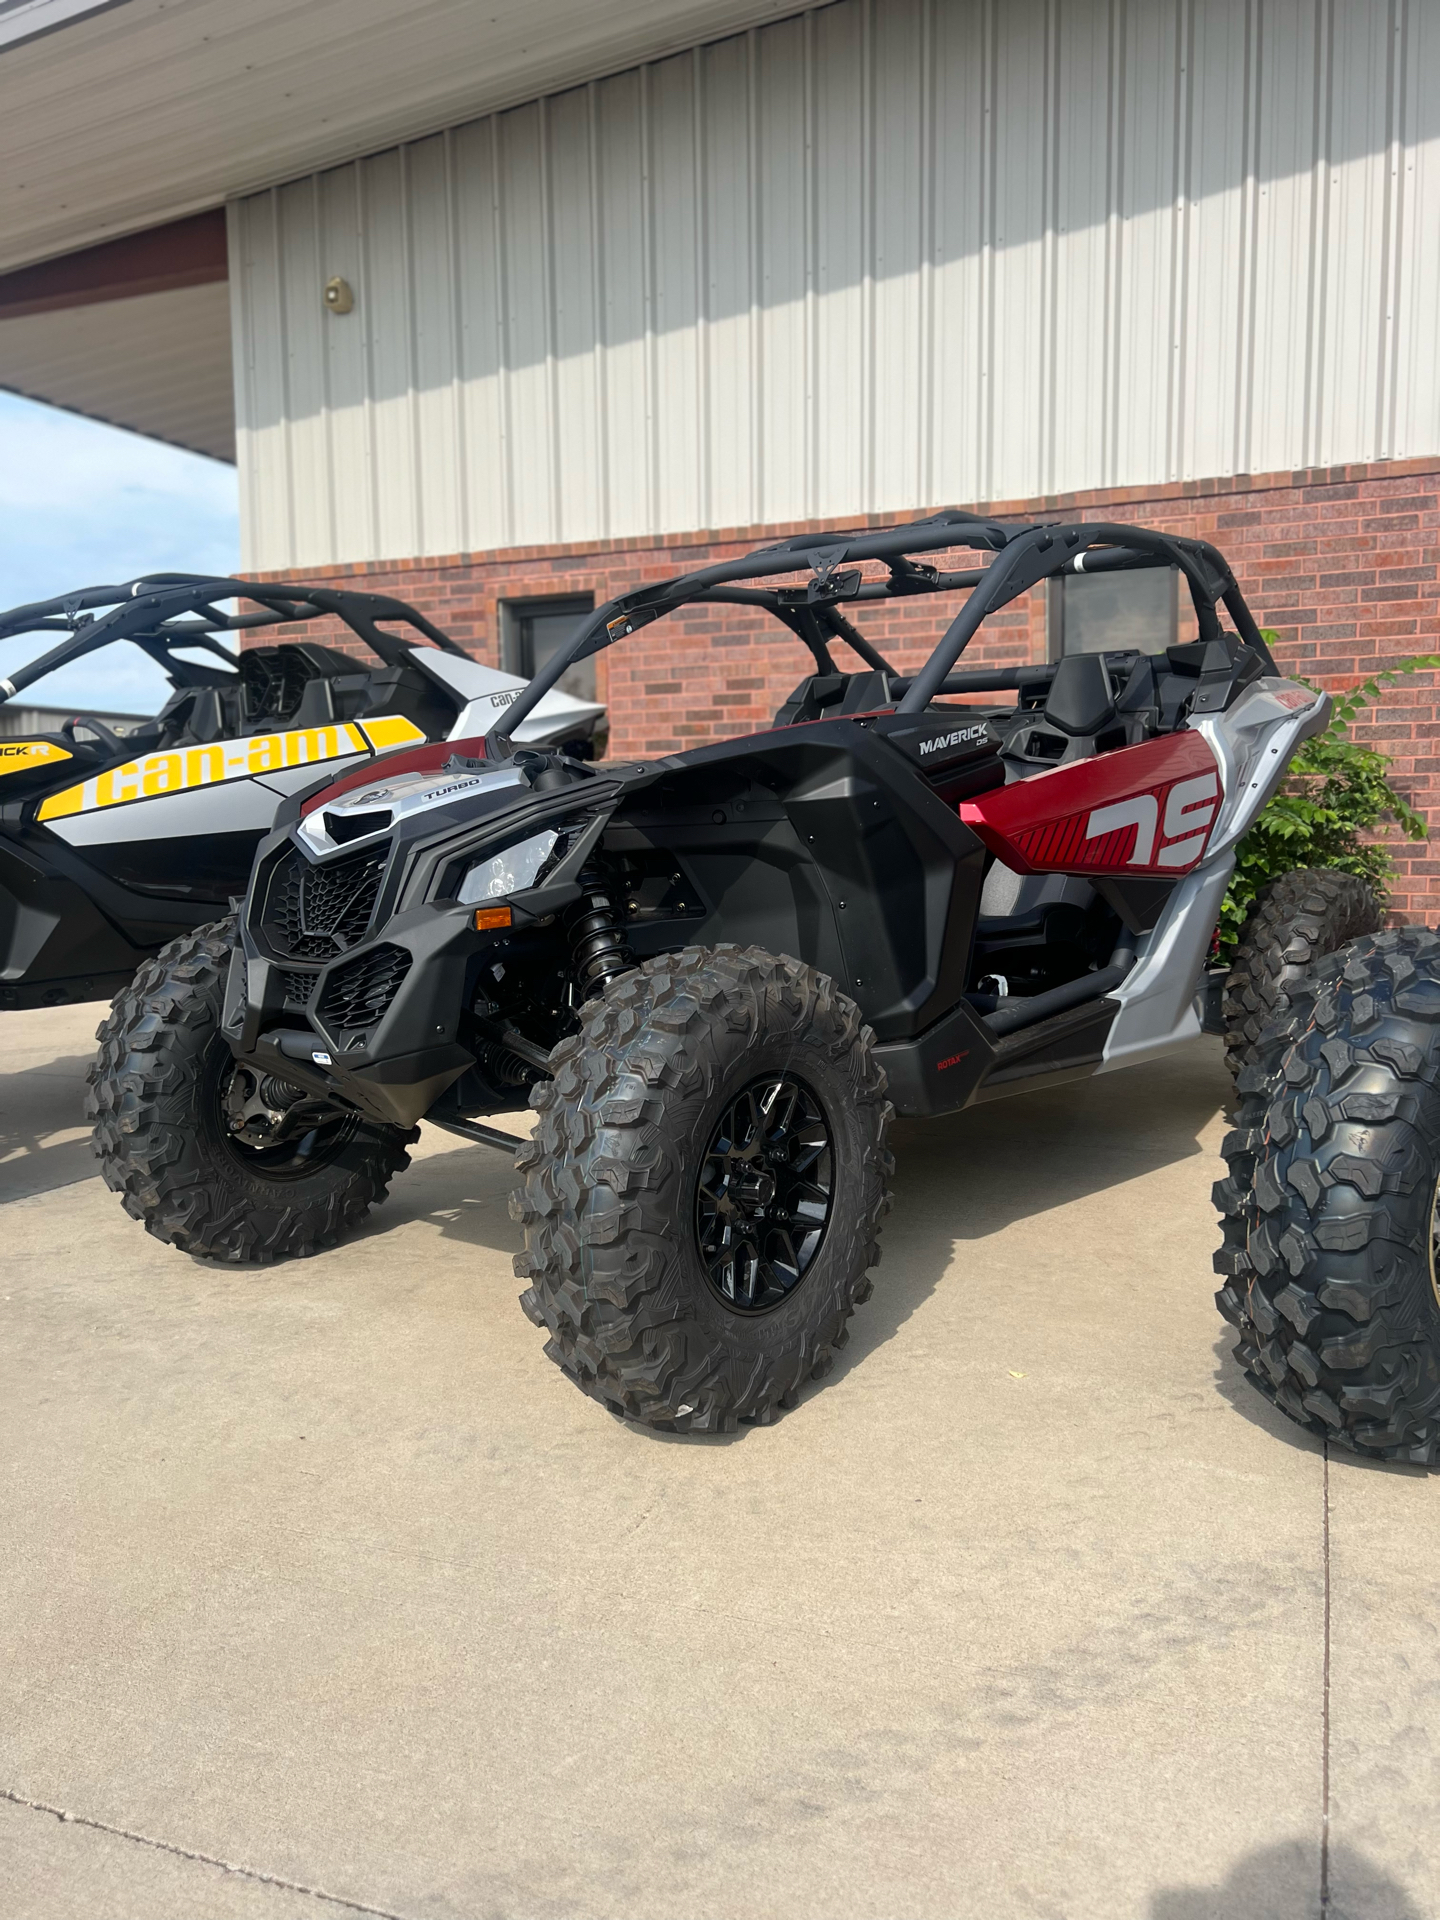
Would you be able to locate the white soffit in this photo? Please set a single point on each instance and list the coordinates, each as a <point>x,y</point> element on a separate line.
<point>28,19</point>
<point>147,111</point>
<point>158,364</point>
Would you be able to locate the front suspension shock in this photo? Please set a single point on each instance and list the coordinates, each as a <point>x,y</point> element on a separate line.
<point>599,950</point>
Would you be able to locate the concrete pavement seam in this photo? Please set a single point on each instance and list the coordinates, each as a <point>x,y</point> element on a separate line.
<point>190,1853</point>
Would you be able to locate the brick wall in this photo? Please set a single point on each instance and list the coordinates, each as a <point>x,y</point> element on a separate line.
<point>1344,564</point>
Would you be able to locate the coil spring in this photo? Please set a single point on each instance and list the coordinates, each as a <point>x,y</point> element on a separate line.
<point>599,950</point>
<point>278,1094</point>
<point>507,1069</point>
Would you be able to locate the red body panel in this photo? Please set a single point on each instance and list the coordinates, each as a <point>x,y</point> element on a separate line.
<point>427,759</point>
<point>1144,810</point>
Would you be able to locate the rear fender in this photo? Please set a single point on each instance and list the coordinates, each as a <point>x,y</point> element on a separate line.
<point>1253,744</point>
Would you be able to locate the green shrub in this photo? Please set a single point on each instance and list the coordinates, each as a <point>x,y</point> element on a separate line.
<point>1334,800</point>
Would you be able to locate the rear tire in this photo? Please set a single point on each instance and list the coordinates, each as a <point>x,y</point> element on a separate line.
<point>1330,1202</point>
<point>1294,922</point>
<point>160,1134</point>
<point>639,1174</point>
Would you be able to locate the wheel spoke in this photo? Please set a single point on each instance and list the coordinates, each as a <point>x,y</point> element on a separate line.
<point>764,1193</point>
<point>792,1260</point>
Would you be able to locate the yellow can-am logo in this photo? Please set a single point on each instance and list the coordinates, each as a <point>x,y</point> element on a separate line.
<point>180,769</point>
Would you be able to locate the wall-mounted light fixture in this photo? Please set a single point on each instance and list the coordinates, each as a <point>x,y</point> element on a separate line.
<point>339,295</point>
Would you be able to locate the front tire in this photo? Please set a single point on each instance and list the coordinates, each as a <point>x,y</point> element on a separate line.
<point>1294,922</point>
<point>1330,1204</point>
<point>158,1091</point>
<point>704,1188</point>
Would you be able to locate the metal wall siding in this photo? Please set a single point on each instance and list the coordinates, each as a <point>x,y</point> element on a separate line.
<point>677,252</point>
<point>841,231</point>
<point>1413,301</point>
<point>1222,226</point>
<point>884,253</point>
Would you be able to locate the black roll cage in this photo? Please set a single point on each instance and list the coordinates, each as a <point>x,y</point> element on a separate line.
<point>1026,553</point>
<point>152,613</point>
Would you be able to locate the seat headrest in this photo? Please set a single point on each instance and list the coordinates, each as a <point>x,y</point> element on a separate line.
<point>1080,700</point>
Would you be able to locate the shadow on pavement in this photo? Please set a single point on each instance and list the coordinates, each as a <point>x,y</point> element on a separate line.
<point>1283,1883</point>
<point>970,1175</point>
<point>1234,1386</point>
<point>41,1110</point>
<point>1028,1154</point>
<point>961,1178</point>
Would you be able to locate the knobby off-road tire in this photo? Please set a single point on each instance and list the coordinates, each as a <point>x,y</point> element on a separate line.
<point>1295,921</point>
<point>160,1134</point>
<point>1329,1204</point>
<point>611,1186</point>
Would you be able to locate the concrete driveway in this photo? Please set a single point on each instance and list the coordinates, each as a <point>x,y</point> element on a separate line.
<point>321,1591</point>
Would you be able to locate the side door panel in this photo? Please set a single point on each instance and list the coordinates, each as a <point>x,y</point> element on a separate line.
<point>861,832</point>
<point>1142,812</point>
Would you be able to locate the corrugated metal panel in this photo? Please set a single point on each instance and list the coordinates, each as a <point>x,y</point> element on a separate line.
<point>888,253</point>
<point>159,363</point>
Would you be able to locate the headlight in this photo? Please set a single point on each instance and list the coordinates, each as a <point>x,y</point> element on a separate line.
<point>508,872</point>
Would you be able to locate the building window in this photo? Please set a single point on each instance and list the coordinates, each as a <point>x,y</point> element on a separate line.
<point>532,630</point>
<point>1108,612</point>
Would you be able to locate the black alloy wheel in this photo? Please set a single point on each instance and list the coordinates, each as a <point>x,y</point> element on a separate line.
<point>764,1194</point>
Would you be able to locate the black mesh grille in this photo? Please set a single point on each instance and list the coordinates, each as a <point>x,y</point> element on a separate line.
<point>358,994</point>
<point>299,987</point>
<point>316,912</point>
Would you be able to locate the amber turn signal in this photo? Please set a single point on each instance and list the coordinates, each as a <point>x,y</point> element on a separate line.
<point>488,917</point>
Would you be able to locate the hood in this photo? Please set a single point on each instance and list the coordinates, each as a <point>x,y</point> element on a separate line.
<point>488,692</point>
<point>366,812</point>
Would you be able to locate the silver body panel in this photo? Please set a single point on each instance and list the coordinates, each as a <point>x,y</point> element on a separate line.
<point>1253,744</point>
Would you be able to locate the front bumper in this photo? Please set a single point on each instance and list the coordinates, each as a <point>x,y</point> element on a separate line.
<point>392,1067</point>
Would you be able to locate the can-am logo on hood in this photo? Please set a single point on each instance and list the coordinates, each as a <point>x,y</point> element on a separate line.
<point>956,739</point>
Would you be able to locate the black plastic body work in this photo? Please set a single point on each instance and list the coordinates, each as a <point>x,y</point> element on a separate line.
<point>834,837</point>
<point>280,995</point>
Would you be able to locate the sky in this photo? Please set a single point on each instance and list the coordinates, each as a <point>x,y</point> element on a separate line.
<point>82,505</point>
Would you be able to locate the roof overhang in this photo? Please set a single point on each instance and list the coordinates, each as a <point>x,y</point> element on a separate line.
<point>133,114</point>
<point>128,124</point>
<point>135,332</point>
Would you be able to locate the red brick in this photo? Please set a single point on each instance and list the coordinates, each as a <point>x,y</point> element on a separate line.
<point>710,672</point>
<point>1391,523</point>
